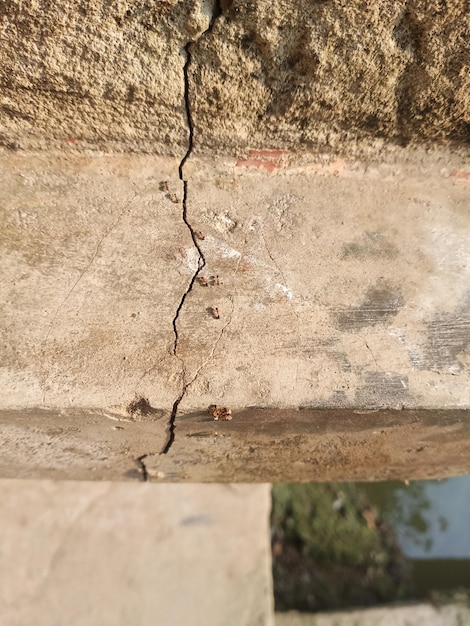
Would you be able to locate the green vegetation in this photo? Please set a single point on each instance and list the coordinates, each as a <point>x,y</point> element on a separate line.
<point>331,551</point>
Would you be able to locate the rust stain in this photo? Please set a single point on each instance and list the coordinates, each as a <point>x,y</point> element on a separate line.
<point>269,160</point>
<point>460,174</point>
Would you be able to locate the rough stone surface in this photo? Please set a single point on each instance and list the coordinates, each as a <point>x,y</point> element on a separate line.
<point>96,74</point>
<point>109,75</point>
<point>327,74</point>
<point>115,555</point>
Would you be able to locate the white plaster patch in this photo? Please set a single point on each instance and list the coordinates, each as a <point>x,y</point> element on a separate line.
<point>450,251</point>
<point>224,223</point>
<point>284,289</point>
<point>225,250</point>
<point>192,258</point>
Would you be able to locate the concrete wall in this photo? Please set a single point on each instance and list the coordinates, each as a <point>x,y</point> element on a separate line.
<point>258,206</point>
<point>109,75</point>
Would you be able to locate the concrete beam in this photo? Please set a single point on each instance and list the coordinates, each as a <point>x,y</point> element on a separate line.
<point>132,302</point>
<point>257,445</point>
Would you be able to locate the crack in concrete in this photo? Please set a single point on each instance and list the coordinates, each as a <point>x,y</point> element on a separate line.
<point>71,290</point>
<point>214,347</point>
<point>143,468</point>
<point>216,13</point>
<point>276,265</point>
<point>375,360</point>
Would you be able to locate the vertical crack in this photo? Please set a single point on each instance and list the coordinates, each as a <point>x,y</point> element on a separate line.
<point>143,467</point>
<point>216,13</point>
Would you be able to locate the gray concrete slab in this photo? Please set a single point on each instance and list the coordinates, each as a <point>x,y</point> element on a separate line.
<point>105,554</point>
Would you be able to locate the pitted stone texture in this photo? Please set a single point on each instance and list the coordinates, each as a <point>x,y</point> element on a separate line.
<point>96,73</point>
<point>113,555</point>
<point>323,75</point>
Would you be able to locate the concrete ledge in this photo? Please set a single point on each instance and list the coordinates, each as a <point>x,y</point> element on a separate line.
<point>339,286</point>
<point>105,554</point>
<point>257,445</point>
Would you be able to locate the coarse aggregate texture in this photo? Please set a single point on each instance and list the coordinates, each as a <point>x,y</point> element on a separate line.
<point>332,74</point>
<point>96,74</point>
<point>329,75</point>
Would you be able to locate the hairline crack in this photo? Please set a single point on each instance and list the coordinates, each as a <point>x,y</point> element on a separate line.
<point>216,13</point>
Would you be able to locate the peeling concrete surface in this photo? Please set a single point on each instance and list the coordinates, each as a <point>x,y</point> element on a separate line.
<point>112,555</point>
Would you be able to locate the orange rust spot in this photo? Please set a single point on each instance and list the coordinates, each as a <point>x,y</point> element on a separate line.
<point>269,166</point>
<point>269,160</point>
<point>267,153</point>
<point>462,174</point>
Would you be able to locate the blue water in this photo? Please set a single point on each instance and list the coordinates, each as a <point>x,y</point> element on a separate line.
<point>431,518</point>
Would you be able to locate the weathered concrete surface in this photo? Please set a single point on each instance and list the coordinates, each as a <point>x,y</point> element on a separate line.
<point>337,284</point>
<point>411,615</point>
<point>96,74</point>
<point>94,265</point>
<point>258,445</point>
<point>113,555</point>
<point>343,284</point>
<point>77,444</point>
<point>276,74</point>
<point>109,75</point>
<point>316,445</point>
